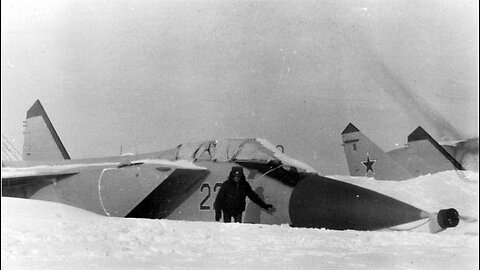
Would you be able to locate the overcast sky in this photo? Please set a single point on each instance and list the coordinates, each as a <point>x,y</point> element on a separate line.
<point>150,75</point>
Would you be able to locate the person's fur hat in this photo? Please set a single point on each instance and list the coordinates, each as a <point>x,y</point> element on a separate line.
<point>237,170</point>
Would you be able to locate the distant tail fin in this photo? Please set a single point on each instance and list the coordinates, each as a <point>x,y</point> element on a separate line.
<point>365,158</point>
<point>427,156</point>
<point>41,141</point>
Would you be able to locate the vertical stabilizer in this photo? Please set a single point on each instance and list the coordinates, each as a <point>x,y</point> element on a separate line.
<point>41,141</point>
<point>425,155</point>
<point>365,158</point>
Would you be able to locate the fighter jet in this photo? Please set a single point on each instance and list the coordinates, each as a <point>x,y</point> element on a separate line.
<point>181,184</point>
<point>422,155</point>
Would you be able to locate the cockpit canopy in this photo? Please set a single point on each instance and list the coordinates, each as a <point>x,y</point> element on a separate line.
<point>255,150</point>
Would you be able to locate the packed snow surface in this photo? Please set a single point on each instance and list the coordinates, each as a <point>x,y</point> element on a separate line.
<point>46,235</point>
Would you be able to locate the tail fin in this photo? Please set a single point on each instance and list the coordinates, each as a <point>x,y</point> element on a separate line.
<point>41,141</point>
<point>365,158</point>
<point>425,155</point>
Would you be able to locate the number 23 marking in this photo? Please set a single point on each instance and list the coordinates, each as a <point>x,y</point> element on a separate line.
<point>206,186</point>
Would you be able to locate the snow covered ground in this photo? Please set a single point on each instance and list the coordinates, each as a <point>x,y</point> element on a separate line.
<point>44,235</point>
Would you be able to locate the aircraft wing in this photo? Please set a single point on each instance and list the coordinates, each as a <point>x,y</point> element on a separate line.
<point>112,189</point>
<point>14,174</point>
<point>144,190</point>
<point>47,171</point>
<point>22,182</point>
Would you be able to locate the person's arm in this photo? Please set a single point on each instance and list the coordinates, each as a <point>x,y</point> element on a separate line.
<point>217,205</point>
<point>220,197</point>
<point>254,197</point>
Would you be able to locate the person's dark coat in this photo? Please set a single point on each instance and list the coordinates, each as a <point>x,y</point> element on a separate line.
<point>231,197</point>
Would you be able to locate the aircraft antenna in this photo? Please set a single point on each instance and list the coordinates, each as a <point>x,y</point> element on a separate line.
<point>281,148</point>
<point>6,155</point>
<point>9,152</point>
<point>12,146</point>
<point>135,147</point>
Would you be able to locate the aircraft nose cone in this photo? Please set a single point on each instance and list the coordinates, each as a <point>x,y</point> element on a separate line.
<point>320,202</point>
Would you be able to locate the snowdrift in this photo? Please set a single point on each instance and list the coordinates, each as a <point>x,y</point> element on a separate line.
<point>46,235</point>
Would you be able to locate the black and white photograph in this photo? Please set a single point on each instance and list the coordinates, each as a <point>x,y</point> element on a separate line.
<point>211,134</point>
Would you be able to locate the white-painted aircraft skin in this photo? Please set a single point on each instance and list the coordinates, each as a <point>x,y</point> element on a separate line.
<point>181,184</point>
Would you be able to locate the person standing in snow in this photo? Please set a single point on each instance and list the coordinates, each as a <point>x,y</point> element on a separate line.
<point>231,197</point>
